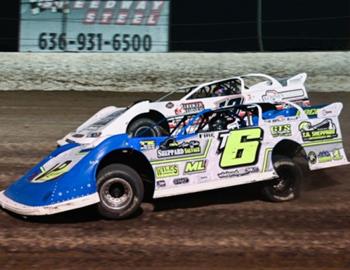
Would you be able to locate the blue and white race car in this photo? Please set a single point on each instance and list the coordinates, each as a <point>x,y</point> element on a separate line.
<point>209,150</point>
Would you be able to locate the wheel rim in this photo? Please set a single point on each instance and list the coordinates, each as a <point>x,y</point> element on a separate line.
<point>284,186</point>
<point>145,132</point>
<point>116,193</point>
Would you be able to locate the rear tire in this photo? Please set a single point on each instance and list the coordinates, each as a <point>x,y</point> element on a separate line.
<point>121,191</point>
<point>288,185</point>
<point>145,127</point>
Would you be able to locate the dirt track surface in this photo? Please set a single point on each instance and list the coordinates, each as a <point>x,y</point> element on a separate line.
<point>230,228</point>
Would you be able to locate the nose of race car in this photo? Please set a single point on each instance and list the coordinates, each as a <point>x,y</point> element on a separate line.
<point>32,194</point>
<point>64,180</point>
<point>18,208</point>
<point>27,198</point>
<point>60,179</point>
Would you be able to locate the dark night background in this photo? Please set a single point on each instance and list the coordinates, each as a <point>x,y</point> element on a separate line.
<point>217,25</point>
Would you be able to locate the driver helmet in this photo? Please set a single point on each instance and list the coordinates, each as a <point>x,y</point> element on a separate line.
<point>219,91</point>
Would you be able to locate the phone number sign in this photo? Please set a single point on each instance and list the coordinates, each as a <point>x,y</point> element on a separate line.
<point>94,26</point>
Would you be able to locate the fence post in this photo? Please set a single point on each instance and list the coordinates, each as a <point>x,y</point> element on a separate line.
<point>259,26</point>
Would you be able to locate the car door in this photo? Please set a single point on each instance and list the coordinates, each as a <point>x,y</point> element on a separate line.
<point>179,164</point>
<point>210,159</point>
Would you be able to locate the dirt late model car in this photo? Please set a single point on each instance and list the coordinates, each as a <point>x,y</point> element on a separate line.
<point>161,117</point>
<point>209,150</point>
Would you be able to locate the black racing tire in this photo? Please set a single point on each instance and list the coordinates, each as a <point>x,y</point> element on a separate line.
<point>287,186</point>
<point>145,127</point>
<point>121,191</point>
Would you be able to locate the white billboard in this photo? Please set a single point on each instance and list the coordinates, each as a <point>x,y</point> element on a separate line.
<point>94,26</point>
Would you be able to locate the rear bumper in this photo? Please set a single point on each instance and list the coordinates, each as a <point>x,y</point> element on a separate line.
<point>26,210</point>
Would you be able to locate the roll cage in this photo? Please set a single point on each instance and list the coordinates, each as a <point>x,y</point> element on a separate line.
<point>240,115</point>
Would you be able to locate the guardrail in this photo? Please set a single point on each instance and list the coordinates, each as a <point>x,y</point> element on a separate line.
<point>327,71</point>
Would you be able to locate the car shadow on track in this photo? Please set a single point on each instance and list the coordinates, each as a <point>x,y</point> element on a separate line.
<point>214,197</point>
<point>314,180</point>
<point>321,179</point>
<point>229,195</point>
<point>82,215</point>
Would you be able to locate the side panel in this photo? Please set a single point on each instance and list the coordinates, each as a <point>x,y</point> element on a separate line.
<point>323,144</point>
<point>320,137</point>
<point>271,90</point>
<point>207,161</point>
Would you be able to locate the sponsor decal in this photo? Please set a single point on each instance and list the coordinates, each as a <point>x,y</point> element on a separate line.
<point>279,118</point>
<point>180,181</point>
<point>169,105</point>
<point>167,171</point>
<point>53,173</point>
<point>281,130</point>
<point>203,179</point>
<point>312,157</point>
<point>309,111</point>
<point>206,135</point>
<point>147,145</point>
<point>336,154</point>
<point>203,154</point>
<point>172,148</point>
<point>160,184</point>
<point>94,25</point>
<point>272,96</point>
<point>325,156</point>
<point>104,12</point>
<point>238,172</point>
<point>191,107</point>
<point>325,113</point>
<point>323,130</point>
<point>195,166</point>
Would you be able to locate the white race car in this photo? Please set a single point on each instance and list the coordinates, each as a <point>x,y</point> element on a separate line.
<point>151,119</point>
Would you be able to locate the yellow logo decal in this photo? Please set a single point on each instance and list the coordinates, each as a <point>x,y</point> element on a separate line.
<point>53,173</point>
<point>167,171</point>
<point>195,166</point>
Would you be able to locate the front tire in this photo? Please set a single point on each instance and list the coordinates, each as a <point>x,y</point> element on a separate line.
<point>121,191</point>
<point>145,127</point>
<point>288,185</point>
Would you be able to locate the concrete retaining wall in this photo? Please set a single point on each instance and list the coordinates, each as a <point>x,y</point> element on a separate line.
<point>327,71</point>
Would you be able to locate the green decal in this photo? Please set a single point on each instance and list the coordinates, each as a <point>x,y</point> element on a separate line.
<point>321,131</point>
<point>167,171</point>
<point>337,155</point>
<point>147,145</point>
<point>328,156</point>
<point>53,173</point>
<point>281,130</point>
<point>324,156</point>
<point>309,112</point>
<point>195,166</point>
<point>240,147</point>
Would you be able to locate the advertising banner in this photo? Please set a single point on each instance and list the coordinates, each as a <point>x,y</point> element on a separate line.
<point>94,26</point>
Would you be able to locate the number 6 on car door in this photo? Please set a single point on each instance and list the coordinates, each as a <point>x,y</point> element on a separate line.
<point>240,147</point>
